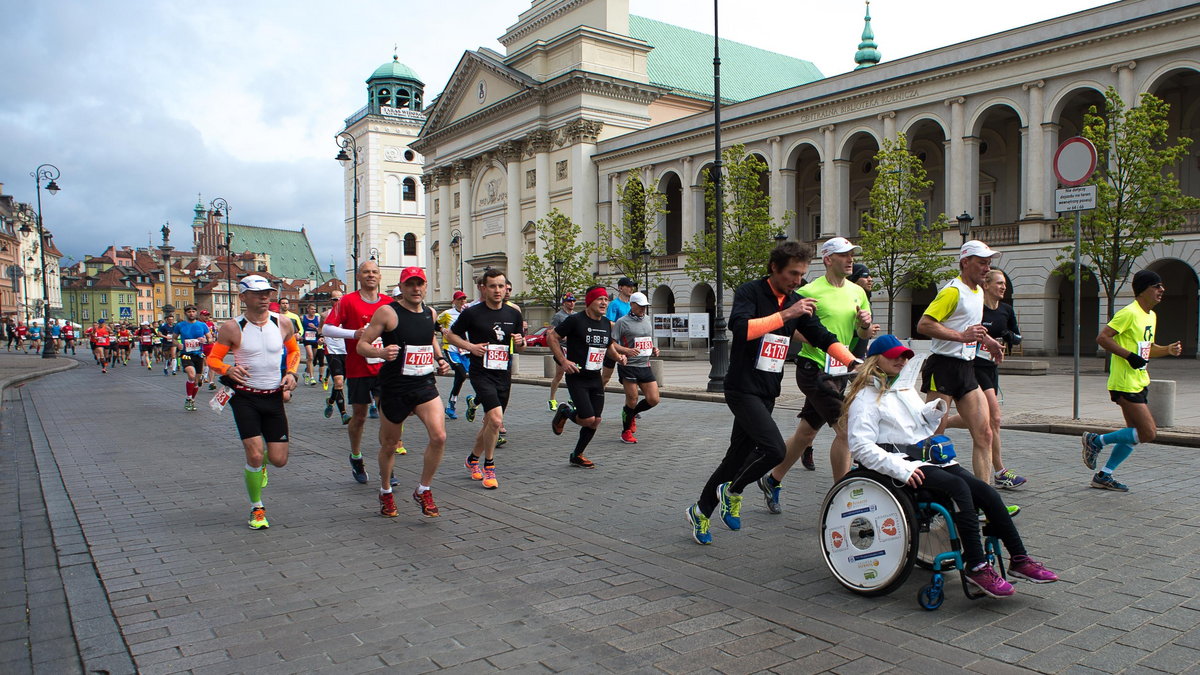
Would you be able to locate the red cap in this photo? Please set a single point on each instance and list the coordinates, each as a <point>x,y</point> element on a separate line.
<point>410,272</point>
<point>459,294</point>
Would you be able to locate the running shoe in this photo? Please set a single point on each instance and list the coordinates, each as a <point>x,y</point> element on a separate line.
<point>1091,449</point>
<point>325,383</point>
<point>104,370</point>
<point>450,412</point>
<point>387,505</point>
<point>731,507</point>
<point>166,371</point>
<point>328,408</point>
<point>400,449</point>
<point>392,480</point>
<point>1009,479</point>
<point>582,462</point>
<point>699,523</point>
<point>358,470</point>
<point>212,386</point>
<point>346,417</point>
<point>560,418</point>
<point>627,437</point>
<point>500,439</point>
<point>986,580</point>
<point>258,519</point>
<point>553,404</point>
<point>1024,567</point>
<point>771,494</point>
<point>473,466</point>
<point>373,412</point>
<point>471,407</point>
<point>425,501</point>
<point>489,477</point>
<point>1012,509</point>
<point>806,458</point>
<point>1105,481</point>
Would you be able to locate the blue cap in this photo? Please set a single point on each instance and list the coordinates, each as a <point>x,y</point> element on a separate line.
<point>889,346</point>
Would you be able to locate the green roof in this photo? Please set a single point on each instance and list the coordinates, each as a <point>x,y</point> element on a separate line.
<point>291,255</point>
<point>395,69</point>
<point>682,61</point>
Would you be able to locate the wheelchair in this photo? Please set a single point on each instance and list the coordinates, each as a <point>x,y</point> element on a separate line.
<point>874,530</point>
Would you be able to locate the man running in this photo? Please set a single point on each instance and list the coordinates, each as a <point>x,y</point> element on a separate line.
<point>617,308</point>
<point>207,347</point>
<point>145,340</point>
<point>55,335</point>
<point>191,335</point>
<point>635,332</point>
<point>1129,338</point>
<point>166,332</point>
<point>349,316</point>
<point>124,343</point>
<point>258,339</point>
<point>566,309</point>
<point>35,337</point>
<point>764,316</point>
<point>490,332</point>
<point>68,335</point>
<point>458,361</point>
<point>101,338</point>
<point>955,322</point>
<point>411,356</point>
<point>335,349</point>
<point>310,323</point>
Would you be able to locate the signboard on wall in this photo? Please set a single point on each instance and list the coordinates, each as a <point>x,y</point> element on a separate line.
<point>698,326</point>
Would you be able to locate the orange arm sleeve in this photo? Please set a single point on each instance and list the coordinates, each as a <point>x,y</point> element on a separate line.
<point>757,328</point>
<point>838,351</point>
<point>216,358</point>
<point>293,354</point>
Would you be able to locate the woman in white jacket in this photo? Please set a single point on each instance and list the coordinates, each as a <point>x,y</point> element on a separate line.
<point>887,421</point>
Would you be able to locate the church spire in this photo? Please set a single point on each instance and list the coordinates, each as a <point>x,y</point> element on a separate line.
<point>868,52</point>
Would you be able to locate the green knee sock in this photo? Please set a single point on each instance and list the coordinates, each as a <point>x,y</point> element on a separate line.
<point>254,485</point>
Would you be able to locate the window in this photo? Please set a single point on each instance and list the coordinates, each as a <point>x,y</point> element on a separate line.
<point>409,190</point>
<point>104,298</point>
<point>410,244</point>
<point>104,314</point>
<point>86,315</point>
<point>83,299</point>
<point>984,212</point>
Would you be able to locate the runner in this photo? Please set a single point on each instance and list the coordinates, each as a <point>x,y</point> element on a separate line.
<point>845,311</point>
<point>567,308</point>
<point>1129,338</point>
<point>617,308</point>
<point>191,335</point>
<point>257,339</point>
<point>124,344</point>
<point>490,332</point>
<point>635,331</point>
<point>22,334</point>
<point>349,316</point>
<point>68,335</point>
<point>207,347</point>
<point>101,338</point>
<point>55,336</point>
<point>319,362</point>
<point>336,348</point>
<point>408,329</point>
<point>145,340</point>
<point>765,313</point>
<point>861,276</point>
<point>166,332</point>
<point>10,333</point>
<point>955,322</point>
<point>35,337</point>
<point>458,362</point>
<point>309,325</point>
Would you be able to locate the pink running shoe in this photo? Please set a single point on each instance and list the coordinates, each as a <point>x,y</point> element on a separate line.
<point>1024,567</point>
<point>986,579</point>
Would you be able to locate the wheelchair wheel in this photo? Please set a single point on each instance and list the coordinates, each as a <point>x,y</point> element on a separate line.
<point>934,541</point>
<point>930,597</point>
<point>868,534</point>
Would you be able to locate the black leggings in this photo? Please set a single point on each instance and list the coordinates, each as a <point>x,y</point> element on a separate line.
<point>755,447</point>
<point>969,493</point>
<point>460,376</point>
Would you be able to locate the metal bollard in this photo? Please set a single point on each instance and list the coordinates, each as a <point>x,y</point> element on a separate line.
<point>548,365</point>
<point>1161,395</point>
<point>656,367</point>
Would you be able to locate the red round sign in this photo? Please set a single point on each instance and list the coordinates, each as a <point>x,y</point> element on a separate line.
<point>1075,161</point>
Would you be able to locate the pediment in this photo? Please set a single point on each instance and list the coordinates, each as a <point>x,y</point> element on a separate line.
<point>478,83</point>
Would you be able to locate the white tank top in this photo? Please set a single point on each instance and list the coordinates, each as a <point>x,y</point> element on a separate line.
<point>967,313</point>
<point>261,351</point>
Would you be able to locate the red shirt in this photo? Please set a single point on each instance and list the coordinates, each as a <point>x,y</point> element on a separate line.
<point>146,335</point>
<point>68,332</point>
<point>352,312</point>
<point>123,337</point>
<point>101,336</point>
<point>22,331</point>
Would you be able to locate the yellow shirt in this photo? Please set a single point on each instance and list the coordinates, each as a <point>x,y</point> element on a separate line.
<point>1135,332</point>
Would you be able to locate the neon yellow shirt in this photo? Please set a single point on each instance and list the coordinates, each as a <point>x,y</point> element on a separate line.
<point>837,308</point>
<point>1135,332</point>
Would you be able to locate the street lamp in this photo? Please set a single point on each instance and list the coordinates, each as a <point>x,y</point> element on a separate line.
<point>645,254</point>
<point>49,173</point>
<point>456,240</point>
<point>964,225</point>
<point>558,292</point>
<point>718,353</point>
<point>345,141</point>
<point>780,237</point>
<point>218,205</point>
<point>374,253</point>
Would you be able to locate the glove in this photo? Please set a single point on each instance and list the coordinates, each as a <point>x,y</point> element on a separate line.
<point>1136,361</point>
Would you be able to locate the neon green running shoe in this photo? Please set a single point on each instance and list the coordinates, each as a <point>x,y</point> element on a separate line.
<point>258,519</point>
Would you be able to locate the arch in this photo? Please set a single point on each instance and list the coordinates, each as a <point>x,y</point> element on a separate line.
<point>860,171</point>
<point>851,139</point>
<point>392,194</point>
<point>805,160</point>
<point>925,117</point>
<point>985,109</point>
<point>792,154</point>
<point>1057,103</point>
<point>672,221</point>
<point>1154,79</point>
<point>702,299</point>
<point>391,250</point>
<point>1060,331</point>
<point>1177,313</point>
<point>662,300</point>
<point>410,244</point>
<point>408,190</point>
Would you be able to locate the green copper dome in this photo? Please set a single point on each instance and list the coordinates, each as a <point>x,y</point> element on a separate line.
<point>395,70</point>
<point>868,52</point>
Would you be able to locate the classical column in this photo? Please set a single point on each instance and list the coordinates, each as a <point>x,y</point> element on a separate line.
<point>830,207</point>
<point>889,125</point>
<point>514,247</point>
<point>776,185</point>
<point>956,190</point>
<point>787,188</point>
<point>687,205</point>
<point>446,263</point>
<point>581,135</point>
<point>1125,88</point>
<point>423,258</point>
<point>1035,158</point>
<point>970,176</point>
<point>462,173</point>
<point>540,141</point>
<point>845,214</point>
<point>1050,134</point>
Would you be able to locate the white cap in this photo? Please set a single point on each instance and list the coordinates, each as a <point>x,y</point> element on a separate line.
<point>976,248</point>
<point>396,292</point>
<point>639,298</point>
<point>838,245</point>
<point>254,283</point>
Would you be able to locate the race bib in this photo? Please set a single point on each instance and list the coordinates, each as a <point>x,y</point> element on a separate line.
<point>495,357</point>
<point>969,350</point>
<point>1144,352</point>
<point>644,345</point>
<point>146,339</point>
<point>191,345</point>
<point>595,358</point>
<point>418,360</point>
<point>772,353</point>
<point>219,399</point>
<point>835,367</point>
<point>102,341</point>
<point>310,335</point>
<point>378,343</point>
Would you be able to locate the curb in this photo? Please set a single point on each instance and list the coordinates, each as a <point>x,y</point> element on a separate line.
<point>60,364</point>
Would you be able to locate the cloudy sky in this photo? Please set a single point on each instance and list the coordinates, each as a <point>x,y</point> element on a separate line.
<point>144,104</point>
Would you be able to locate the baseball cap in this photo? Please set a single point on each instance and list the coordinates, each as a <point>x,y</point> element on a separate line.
<point>889,346</point>
<point>204,312</point>
<point>976,248</point>
<point>860,271</point>
<point>410,272</point>
<point>253,284</point>
<point>838,245</point>
<point>626,281</point>
<point>459,294</point>
<point>568,298</point>
<point>639,299</point>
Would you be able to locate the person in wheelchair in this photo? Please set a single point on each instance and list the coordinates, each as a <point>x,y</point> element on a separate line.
<point>891,435</point>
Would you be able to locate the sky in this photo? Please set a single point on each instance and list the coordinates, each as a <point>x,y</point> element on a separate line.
<point>143,105</point>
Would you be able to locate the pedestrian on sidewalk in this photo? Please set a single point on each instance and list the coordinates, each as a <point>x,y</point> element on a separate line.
<point>635,331</point>
<point>1129,338</point>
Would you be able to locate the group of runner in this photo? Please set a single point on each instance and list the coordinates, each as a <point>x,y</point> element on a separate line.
<point>32,338</point>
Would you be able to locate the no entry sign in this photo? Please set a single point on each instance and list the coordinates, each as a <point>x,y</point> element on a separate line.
<point>1074,161</point>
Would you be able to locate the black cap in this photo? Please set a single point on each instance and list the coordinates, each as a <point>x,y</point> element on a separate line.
<point>860,270</point>
<point>1145,279</point>
<point>626,281</point>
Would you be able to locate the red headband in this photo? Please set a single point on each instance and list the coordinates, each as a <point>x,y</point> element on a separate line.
<point>595,293</point>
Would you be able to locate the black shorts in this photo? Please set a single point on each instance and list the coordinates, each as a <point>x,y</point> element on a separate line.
<point>337,365</point>
<point>260,415</point>
<point>318,357</point>
<point>142,346</point>
<point>194,360</point>
<point>639,374</point>
<point>397,404</point>
<point>822,394</point>
<point>948,375</point>
<point>360,390</point>
<point>491,391</point>
<point>1132,397</point>
<point>587,393</point>
<point>987,374</point>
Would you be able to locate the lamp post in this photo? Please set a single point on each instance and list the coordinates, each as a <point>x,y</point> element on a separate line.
<point>49,173</point>
<point>780,237</point>
<point>218,205</point>
<point>558,291</point>
<point>645,255</point>
<point>964,225</point>
<point>456,240</point>
<point>718,353</point>
<point>374,253</point>
<point>345,141</point>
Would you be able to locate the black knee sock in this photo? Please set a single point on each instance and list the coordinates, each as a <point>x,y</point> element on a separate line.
<point>642,406</point>
<point>585,437</point>
<point>339,398</point>
<point>627,414</point>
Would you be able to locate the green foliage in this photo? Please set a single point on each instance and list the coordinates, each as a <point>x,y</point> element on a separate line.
<point>562,240</point>
<point>749,232</point>
<point>621,244</point>
<point>898,249</point>
<point>1138,196</point>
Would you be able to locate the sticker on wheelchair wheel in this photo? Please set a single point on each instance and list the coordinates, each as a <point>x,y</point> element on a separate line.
<point>837,539</point>
<point>888,526</point>
<point>866,541</point>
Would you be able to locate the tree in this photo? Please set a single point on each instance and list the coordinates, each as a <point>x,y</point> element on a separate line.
<point>562,240</point>
<point>621,245</point>
<point>749,232</point>
<point>1138,198</point>
<point>898,248</point>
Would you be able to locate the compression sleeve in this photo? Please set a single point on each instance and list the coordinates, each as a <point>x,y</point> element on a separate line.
<point>838,351</point>
<point>293,354</point>
<point>756,328</point>
<point>330,330</point>
<point>216,358</point>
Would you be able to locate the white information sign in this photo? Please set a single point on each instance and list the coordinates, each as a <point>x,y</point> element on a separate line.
<point>698,326</point>
<point>1080,198</point>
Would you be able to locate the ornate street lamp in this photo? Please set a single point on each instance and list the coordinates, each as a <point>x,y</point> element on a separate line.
<point>718,353</point>
<point>964,226</point>
<point>558,291</point>
<point>218,205</point>
<point>780,237</point>
<point>645,255</point>
<point>49,173</point>
<point>345,141</point>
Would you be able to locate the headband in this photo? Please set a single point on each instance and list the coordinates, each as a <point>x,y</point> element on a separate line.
<point>596,293</point>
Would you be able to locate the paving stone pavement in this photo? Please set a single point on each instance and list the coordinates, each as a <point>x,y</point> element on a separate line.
<point>568,570</point>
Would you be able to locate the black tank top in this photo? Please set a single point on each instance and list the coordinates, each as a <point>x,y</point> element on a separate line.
<point>414,366</point>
